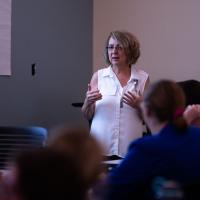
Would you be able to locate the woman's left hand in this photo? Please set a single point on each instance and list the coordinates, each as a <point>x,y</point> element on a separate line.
<point>133,99</point>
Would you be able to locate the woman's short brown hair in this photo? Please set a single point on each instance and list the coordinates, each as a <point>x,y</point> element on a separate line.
<point>130,44</point>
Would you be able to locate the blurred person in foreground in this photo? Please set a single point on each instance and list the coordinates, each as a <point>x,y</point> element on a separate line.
<point>83,148</point>
<point>172,152</point>
<point>42,174</point>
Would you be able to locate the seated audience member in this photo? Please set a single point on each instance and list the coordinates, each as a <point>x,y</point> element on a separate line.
<point>79,144</point>
<point>172,152</point>
<point>192,114</point>
<point>43,174</point>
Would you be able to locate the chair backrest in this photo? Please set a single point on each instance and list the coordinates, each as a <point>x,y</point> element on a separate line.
<point>192,91</point>
<point>17,139</point>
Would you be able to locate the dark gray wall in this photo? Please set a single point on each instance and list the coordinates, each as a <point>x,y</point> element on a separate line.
<point>57,36</point>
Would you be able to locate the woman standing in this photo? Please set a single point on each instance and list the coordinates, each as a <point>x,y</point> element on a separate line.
<point>114,94</point>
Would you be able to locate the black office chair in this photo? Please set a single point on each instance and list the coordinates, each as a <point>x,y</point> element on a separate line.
<point>16,139</point>
<point>192,91</point>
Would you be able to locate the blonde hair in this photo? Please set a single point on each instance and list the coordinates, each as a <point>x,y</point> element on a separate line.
<point>130,44</point>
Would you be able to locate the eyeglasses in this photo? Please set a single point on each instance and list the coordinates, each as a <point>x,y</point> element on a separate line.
<point>112,47</point>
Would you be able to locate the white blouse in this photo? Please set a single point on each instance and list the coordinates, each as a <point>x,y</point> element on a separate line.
<point>116,124</point>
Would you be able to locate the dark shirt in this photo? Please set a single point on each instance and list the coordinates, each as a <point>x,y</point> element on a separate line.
<point>169,154</point>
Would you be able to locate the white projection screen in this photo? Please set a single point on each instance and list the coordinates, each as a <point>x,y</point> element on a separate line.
<point>5,37</point>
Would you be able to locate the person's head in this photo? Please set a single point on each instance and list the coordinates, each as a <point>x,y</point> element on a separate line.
<point>164,101</point>
<point>124,43</point>
<point>44,174</point>
<point>79,144</point>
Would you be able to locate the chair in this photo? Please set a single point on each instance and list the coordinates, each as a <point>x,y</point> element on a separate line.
<point>16,139</point>
<point>192,91</point>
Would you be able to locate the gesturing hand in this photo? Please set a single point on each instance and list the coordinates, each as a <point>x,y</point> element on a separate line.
<point>92,95</point>
<point>133,99</point>
<point>192,113</point>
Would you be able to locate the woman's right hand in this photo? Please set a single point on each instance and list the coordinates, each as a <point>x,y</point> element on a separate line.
<point>92,95</point>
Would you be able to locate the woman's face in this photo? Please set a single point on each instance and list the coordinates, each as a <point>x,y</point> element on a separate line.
<point>116,52</point>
